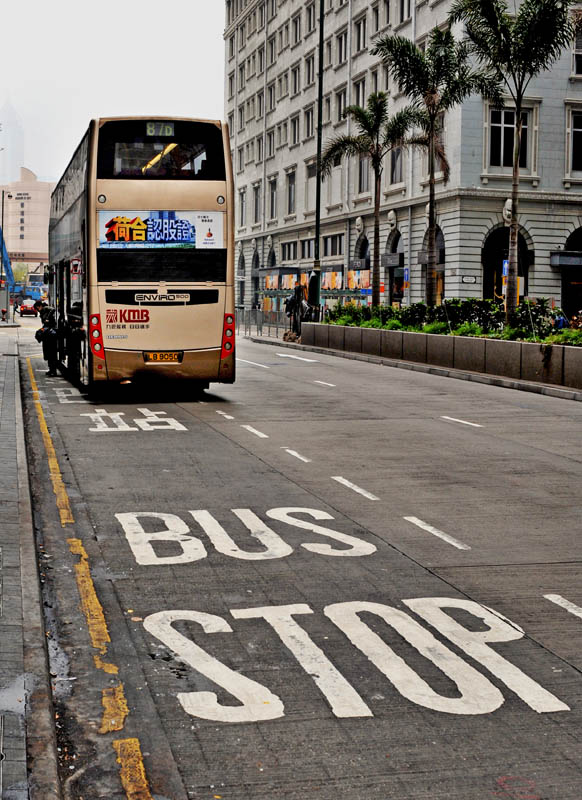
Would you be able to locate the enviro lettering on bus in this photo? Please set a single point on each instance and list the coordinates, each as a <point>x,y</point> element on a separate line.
<point>155,229</point>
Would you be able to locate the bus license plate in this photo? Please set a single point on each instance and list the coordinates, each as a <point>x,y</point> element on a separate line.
<point>174,357</point>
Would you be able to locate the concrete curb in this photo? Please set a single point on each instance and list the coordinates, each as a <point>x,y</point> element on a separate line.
<point>548,390</point>
<point>41,745</point>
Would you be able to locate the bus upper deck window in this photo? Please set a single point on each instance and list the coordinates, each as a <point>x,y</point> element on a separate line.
<point>140,149</point>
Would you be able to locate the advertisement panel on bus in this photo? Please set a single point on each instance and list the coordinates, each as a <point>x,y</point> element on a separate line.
<point>161,229</point>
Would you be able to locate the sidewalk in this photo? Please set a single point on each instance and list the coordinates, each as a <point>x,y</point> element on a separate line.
<point>26,716</point>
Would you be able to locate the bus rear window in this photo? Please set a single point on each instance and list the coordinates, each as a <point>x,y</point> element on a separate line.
<point>157,150</point>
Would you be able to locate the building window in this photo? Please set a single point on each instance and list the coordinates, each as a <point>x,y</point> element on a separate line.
<point>259,148</point>
<point>231,84</point>
<point>295,130</point>
<point>289,251</point>
<point>386,5</point>
<point>241,159</point>
<point>309,70</point>
<point>364,174</point>
<point>261,59</point>
<point>374,80</point>
<point>271,8</point>
<point>260,104</point>
<point>328,53</point>
<point>272,198</point>
<point>271,97</point>
<point>404,10</point>
<point>256,203</point>
<point>375,19</point>
<point>396,165</point>
<point>272,50</point>
<point>291,194</point>
<point>295,79</point>
<point>360,92</point>
<point>341,102</point>
<point>296,29</point>
<point>502,128</point>
<point>360,34</point>
<point>310,17</point>
<point>241,77</point>
<point>309,123</point>
<point>333,245</point>
<point>242,207</point>
<point>577,65</point>
<point>327,109</point>
<point>270,144</point>
<point>342,47</point>
<point>241,117</point>
<point>307,248</point>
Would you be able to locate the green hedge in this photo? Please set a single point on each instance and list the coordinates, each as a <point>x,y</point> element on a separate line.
<point>532,321</point>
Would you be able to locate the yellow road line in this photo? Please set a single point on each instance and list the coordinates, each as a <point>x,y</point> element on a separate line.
<point>90,604</point>
<point>115,709</point>
<point>133,777</point>
<point>63,505</point>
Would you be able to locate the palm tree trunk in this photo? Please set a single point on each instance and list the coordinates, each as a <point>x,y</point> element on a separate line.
<point>431,244</point>
<point>512,295</point>
<point>376,260</point>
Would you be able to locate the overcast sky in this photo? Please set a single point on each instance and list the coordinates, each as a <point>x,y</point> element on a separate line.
<point>64,62</point>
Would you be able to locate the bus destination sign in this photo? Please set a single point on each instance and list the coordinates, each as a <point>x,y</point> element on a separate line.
<point>159,128</point>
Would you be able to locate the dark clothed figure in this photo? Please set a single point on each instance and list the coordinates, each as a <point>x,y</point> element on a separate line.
<point>48,336</point>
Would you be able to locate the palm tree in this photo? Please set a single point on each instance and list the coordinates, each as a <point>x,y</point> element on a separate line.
<point>517,45</point>
<point>378,134</point>
<point>435,80</point>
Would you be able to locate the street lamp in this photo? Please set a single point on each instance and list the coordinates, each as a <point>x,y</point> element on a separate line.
<point>315,279</point>
<point>3,274</point>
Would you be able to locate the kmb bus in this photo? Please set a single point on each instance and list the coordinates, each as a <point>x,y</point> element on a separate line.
<point>141,253</point>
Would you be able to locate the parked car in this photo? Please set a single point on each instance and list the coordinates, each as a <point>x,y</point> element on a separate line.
<point>27,307</point>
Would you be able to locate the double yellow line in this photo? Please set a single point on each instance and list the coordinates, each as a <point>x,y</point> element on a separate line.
<point>115,708</point>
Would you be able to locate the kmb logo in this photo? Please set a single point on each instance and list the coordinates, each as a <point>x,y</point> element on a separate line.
<point>127,315</point>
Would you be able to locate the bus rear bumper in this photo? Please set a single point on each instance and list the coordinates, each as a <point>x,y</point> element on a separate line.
<point>197,365</point>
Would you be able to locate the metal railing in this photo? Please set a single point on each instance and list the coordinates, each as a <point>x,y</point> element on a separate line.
<point>255,322</point>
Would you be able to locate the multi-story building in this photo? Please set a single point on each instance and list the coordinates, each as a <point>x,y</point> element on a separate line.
<point>271,104</point>
<point>26,211</point>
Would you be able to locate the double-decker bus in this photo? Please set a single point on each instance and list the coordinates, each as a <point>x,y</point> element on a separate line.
<point>141,253</point>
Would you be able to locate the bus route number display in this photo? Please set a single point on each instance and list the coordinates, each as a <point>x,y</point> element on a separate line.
<point>159,128</point>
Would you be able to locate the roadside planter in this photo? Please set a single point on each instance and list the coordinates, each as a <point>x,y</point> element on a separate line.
<point>540,363</point>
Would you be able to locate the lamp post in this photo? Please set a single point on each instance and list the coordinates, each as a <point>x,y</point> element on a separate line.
<point>3,274</point>
<point>315,299</point>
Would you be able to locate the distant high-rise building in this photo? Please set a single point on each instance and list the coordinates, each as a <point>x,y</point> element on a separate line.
<point>26,218</point>
<point>11,144</point>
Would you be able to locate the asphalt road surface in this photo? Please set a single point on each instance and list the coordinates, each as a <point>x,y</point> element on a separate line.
<point>330,580</point>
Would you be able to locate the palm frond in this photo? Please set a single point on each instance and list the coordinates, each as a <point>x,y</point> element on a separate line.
<point>343,146</point>
<point>406,64</point>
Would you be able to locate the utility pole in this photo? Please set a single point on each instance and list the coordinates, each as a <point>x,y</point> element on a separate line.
<point>315,293</point>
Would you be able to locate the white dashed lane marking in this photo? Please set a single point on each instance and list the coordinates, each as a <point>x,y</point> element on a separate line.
<point>563,603</point>
<point>255,431</point>
<point>354,487</point>
<point>297,455</point>
<point>436,532</point>
<point>254,363</point>
<point>463,422</point>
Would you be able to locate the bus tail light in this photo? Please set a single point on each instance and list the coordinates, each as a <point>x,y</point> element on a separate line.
<point>227,336</point>
<point>96,336</point>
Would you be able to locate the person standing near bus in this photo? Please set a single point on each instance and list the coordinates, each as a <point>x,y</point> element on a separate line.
<point>47,335</point>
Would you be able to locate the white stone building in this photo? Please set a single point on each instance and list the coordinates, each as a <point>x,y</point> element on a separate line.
<point>271,54</point>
